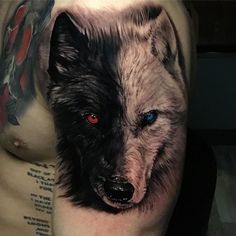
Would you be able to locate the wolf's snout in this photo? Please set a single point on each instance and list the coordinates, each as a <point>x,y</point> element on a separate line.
<point>118,190</point>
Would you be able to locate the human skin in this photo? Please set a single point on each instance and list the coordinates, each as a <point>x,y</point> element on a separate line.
<point>37,143</point>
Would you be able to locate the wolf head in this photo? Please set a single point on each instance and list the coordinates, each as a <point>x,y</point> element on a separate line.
<point>117,92</point>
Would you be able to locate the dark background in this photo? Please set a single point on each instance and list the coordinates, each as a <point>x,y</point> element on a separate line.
<point>213,102</point>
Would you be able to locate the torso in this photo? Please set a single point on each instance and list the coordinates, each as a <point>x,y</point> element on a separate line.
<point>27,151</point>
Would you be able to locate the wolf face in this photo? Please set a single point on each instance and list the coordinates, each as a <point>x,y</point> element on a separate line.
<point>117,92</point>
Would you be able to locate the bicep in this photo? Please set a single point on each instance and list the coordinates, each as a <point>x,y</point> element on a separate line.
<point>119,97</point>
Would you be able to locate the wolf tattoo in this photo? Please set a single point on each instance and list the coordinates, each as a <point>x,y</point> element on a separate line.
<point>118,96</point>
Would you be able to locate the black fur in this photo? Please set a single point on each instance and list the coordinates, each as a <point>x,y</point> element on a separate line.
<point>91,86</point>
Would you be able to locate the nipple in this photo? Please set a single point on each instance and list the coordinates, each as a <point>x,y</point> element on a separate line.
<point>19,144</point>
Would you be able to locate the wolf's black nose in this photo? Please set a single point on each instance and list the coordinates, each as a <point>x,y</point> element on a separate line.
<point>118,190</point>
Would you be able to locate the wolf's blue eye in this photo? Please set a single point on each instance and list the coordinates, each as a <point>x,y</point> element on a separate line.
<point>149,118</point>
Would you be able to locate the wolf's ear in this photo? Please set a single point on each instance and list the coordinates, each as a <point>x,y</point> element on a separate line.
<point>164,39</point>
<point>68,46</point>
<point>154,22</point>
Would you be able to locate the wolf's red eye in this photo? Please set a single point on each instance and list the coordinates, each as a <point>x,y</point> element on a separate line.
<point>92,119</point>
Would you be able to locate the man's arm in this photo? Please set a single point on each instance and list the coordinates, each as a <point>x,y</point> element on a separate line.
<point>115,76</point>
<point>118,93</point>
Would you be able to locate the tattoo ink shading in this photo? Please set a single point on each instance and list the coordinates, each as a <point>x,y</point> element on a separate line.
<point>126,69</point>
<point>17,61</point>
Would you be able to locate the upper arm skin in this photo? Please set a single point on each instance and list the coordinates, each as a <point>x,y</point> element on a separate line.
<point>121,75</point>
<point>113,78</point>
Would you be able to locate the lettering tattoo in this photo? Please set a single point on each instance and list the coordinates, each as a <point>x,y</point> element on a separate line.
<point>118,96</point>
<point>42,227</point>
<point>42,176</point>
<point>21,38</point>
